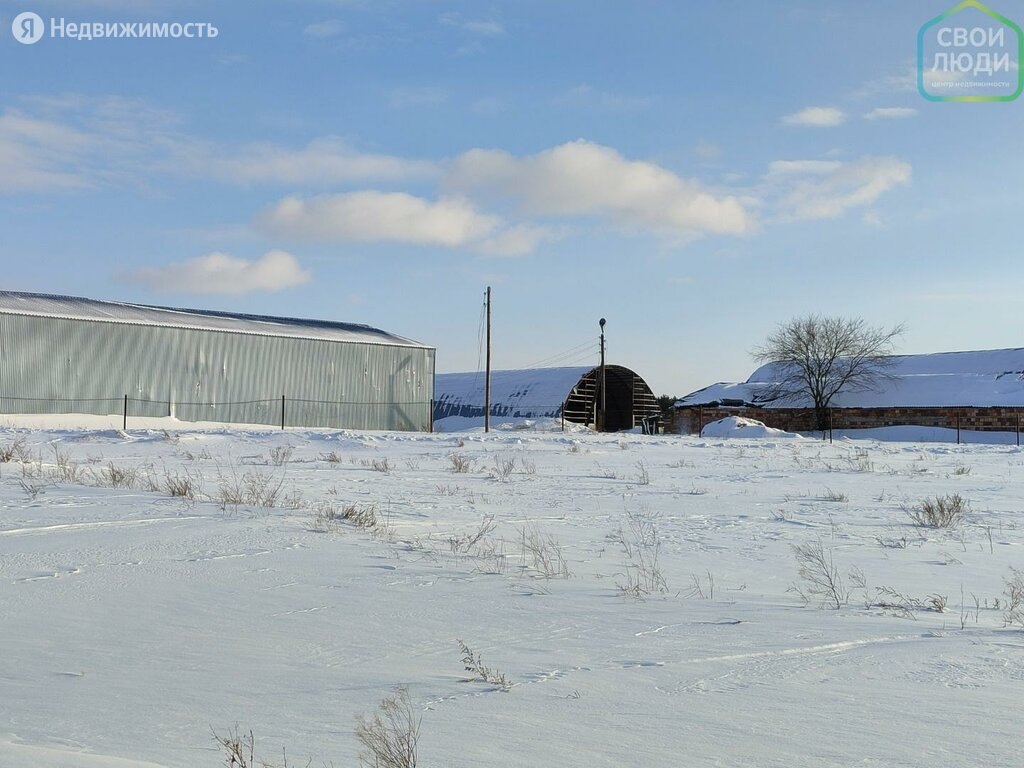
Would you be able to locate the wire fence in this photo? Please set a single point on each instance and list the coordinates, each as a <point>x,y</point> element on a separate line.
<point>282,411</point>
<point>443,409</point>
<point>621,418</point>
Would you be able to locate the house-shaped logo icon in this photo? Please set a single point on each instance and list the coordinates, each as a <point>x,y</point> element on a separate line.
<point>970,53</point>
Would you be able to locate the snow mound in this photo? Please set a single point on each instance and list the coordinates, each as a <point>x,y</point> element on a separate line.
<point>737,426</point>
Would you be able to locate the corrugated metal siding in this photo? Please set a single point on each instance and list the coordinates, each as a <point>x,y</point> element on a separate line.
<point>372,386</point>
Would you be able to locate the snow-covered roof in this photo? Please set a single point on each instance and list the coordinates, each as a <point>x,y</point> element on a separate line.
<point>72,308</point>
<point>983,378</point>
<point>530,392</point>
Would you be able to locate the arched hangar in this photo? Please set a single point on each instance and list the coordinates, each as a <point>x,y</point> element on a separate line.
<point>574,393</point>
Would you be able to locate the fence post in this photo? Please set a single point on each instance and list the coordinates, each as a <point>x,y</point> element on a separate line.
<point>1018,429</point>
<point>431,416</point>
<point>700,421</point>
<point>958,426</point>
<point>282,411</point>
<point>124,424</point>
<point>830,426</point>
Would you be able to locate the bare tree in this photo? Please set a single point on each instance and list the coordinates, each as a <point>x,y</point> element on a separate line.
<point>817,357</point>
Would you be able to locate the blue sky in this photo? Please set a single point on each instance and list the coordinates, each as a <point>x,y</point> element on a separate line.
<point>694,172</point>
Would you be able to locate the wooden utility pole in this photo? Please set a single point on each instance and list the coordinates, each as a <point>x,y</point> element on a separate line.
<point>602,422</point>
<point>487,378</point>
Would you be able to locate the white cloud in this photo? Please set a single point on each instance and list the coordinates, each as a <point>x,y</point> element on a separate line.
<point>402,98</point>
<point>74,141</point>
<point>585,179</point>
<point>40,155</point>
<point>873,219</point>
<point>489,105</point>
<point>798,167</point>
<point>890,113</point>
<point>396,217</point>
<point>372,216</point>
<point>905,78</point>
<point>518,240</point>
<point>472,48</point>
<point>484,28</point>
<point>326,160</point>
<point>69,142</point>
<point>902,79</point>
<point>816,117</point>
<point>358,4</point>
<point>223,274</point>
<point>708,152</point>
<point>474,32</point>
<point>479,27</point>
<point>325,28</point>
<point>591,97</point>
<point>826,190</point>
<point>126,5</point>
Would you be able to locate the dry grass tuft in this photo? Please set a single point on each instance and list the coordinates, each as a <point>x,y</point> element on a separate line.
<point>182,486</point>
<point>1013,614</point>
<point>542,554</point>
<point>821,579</point>
<point>503,468</point>
<point>639,541</point>
<point>252,489</point>
<point>16,450</point>
<point>461,464</point>
<point>471,662</point>
<point>941,512</point>
<point>389,739</point>
<point>361,515</point>
<point>112,476</point>
<point>280,455</point>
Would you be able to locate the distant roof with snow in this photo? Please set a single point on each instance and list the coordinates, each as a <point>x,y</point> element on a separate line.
<point>985,378</point>
<point>72,308</point>
<point>529,392</point>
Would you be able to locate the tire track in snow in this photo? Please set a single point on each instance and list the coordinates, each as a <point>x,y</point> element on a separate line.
<point>56,573</point>
<point>844,645</point>
<point>756,668</point>
<point>96,524</point>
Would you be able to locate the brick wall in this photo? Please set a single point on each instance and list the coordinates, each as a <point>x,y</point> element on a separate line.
<point>689,420</point>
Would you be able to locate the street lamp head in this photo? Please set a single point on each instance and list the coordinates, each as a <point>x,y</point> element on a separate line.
<point>601,322</point>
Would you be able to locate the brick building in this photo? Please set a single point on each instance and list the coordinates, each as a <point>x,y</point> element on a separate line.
<point>981,390</point>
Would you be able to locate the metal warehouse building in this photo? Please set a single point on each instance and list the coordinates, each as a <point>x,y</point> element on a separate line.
<point>570,393</point>
<point>61,354</point>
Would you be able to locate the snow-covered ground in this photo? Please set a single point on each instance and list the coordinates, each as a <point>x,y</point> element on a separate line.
<point>134,623</point>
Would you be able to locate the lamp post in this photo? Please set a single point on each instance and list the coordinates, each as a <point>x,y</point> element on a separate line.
<point>601,422</point>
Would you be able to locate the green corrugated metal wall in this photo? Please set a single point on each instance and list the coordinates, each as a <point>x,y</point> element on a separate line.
<point>195,374</point>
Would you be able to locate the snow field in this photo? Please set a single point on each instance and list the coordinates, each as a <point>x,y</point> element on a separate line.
<point>134,622</point>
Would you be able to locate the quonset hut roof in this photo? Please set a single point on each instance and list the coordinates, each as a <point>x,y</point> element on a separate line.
<point>992,377</point>
<point>72,308</point>
<point>529,392</point>
<point>550,392</point>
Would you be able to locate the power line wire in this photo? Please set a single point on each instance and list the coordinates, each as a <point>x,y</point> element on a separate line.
<point>558,356</point>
